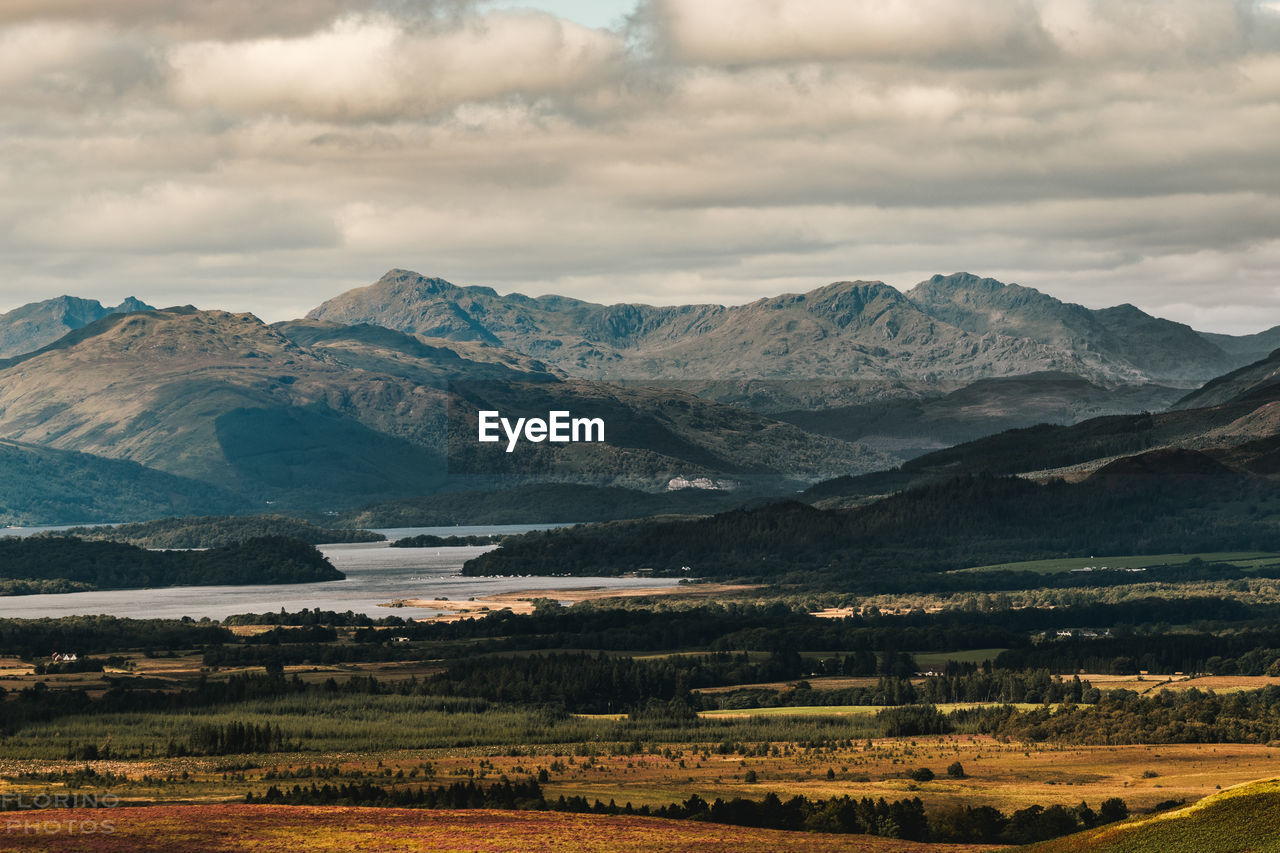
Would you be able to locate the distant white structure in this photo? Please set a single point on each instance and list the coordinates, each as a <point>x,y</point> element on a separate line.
<point>58,657</point>
<point>677,483</point>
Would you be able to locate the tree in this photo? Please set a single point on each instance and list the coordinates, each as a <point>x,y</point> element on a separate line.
<point>1112,810</point>
<point>955,770</point>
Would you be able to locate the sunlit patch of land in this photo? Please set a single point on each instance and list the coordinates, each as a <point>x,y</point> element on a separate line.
<point>523,602</point>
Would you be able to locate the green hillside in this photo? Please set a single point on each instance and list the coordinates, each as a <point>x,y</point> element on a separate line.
<point>1244,818</point>
<point>41,485</point>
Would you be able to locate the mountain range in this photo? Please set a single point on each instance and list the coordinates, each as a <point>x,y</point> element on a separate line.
<point>955,328</point>
<point>374,396</point>
<point>38,323</point>
<point>312,415</point>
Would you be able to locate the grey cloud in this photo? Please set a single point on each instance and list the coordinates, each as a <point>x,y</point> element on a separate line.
<point>1103,152</point>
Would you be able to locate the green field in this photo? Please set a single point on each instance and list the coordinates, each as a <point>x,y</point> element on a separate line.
<point>1242,559</point>
<point>938,660</point>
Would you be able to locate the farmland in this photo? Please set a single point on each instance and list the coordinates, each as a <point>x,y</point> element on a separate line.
<point>620,711</point>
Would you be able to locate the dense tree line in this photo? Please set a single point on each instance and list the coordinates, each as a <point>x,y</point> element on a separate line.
<point>955,686</point>
<point>294,654</point>
<point>540,503</point>
<point>31,638</point>
<point>904,818</point>
<point>315,616</point>
<point>428,540</point>
<point>1122,716</point>
<point>602,684</point>
<point>112,565</point>
<point>204,531</point>
<point>234,739</point>
<point>907,541</point>
<point>1229,652</point>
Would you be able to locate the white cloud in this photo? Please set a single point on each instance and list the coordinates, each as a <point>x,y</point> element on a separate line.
<point>169,218</point>
<point>1102,151</point>
<point>375,68</point>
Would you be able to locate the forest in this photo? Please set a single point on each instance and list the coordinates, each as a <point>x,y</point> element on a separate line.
<point>216,531</point>
<point>912,540</point>
<point>114,565</point>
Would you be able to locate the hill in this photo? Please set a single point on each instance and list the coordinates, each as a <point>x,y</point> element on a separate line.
<point>63,564</point>
<point>36,324</point>
<point>316,416</point>
<point>1243,818</point>
<point>911,541</point>
<point>1235,420</point>
<point>42,485</point>
<point>217,531</point>
<point>909,426</point>
<point>957,327</point>
<point>540,503</point>
<point>1157,349</point>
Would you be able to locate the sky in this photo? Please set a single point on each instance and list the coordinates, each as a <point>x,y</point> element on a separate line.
<point>264,157</point>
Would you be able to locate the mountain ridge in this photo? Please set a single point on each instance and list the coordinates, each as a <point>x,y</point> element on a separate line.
<point>958,327</point>
<point>32,326</point>
<point>317,415</point>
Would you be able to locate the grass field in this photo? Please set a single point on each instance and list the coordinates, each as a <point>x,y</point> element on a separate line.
<point>1008,776</point>
<point>1246,818</point>
<point>1243,559</point>
<point>285,829</point>
<point>938,660</point>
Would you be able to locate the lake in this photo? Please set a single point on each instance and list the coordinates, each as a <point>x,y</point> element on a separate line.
<point>376,574</point>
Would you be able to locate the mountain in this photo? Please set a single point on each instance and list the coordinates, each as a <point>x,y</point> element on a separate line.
<point>1157,349</point>
<point>955,328</point>
<point>1233,421</point>
<point>1198,479</point>
<point>1259,380</point>
<point>41,485</point>
<point>910,426</point>
<point>312,415</point>
<point>1249,348</point>
<point>38,323</point>
<point>843,332</point>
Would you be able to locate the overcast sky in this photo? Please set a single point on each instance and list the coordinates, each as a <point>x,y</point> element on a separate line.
<point>264,156</point>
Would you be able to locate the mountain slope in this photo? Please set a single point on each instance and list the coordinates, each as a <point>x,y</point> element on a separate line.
<point>955,328</point>
<point>31,326</point>
<point>1156,349</point>
<point>1234,419</point>
<point>315,415</point>
<point>910,426</point>
<point>40,485</point>
<point>843,332</point>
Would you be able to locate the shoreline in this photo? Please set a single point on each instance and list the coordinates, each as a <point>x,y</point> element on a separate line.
<point>521,602</point>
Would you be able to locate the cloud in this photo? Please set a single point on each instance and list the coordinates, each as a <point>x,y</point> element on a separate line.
<point>170,218</point>
<point>947,32</point>
<point>1101,151</point>
<point>363,68</point>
